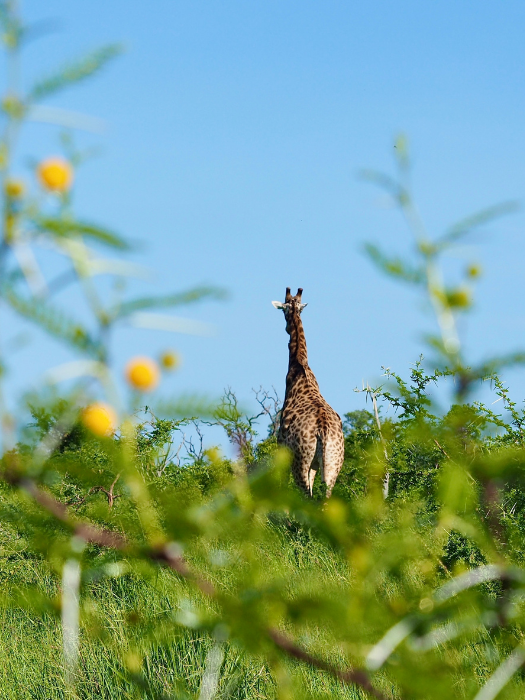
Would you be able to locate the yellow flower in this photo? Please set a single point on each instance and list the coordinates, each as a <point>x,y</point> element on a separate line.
<point>13,106</point>
<point>55,174</point>
<point>473,271</point>
<point>459,298</point>
<point>14,189</point>
<point>100,418</point>
<point>142,373</point>
<point>10,228</point>
<point>170,360</point>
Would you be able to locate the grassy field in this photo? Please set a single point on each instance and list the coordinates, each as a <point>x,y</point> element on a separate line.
<point>126,618</point>
<point>137,639</point>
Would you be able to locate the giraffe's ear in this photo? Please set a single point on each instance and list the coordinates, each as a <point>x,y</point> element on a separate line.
<point>301,307</point>
<point>278,304</point>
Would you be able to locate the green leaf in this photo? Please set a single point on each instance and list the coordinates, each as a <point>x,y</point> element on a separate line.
<point>495,364</point>
<point>74,72</point>
<point>52,320</point>
<point>395,266</point>
<point>65,228</point>
<point>384,181</point>
<point>12,27</point>
<point>179,299</point>
<point>465,226</point>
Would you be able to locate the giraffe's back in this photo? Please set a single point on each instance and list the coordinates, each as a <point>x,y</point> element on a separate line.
<point>313,431</point>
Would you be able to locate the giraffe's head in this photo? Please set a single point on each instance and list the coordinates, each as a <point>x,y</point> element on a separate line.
<point>292,305</point>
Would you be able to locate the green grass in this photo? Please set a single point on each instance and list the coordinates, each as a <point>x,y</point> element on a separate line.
<point>127,616</point>
<point>132,617</point>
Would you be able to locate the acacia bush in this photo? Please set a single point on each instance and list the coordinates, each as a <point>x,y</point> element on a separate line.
<point>137,563</point>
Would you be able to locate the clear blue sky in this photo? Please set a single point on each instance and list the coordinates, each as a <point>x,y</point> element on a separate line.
<point>237,130</point>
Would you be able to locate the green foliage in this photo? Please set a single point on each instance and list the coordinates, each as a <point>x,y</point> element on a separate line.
<point>183,298</point>
<point>396,267</point>
<point>68,228</point>
<point>74,72</point>
<point>53,321</point>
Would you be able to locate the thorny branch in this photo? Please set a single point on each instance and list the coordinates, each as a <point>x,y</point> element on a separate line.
<point>373,396</point>
<point>186,448</point>
<point>355,676</point>
<point>99,489</point>
<point>271,406</point>
<point>87,532</point>
<point>172,451</point>
<point>492,498</point>
<point>238,426</point>
<point>196,453</point>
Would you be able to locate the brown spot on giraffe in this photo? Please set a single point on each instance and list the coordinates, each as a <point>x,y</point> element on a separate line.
<point>309,427</point>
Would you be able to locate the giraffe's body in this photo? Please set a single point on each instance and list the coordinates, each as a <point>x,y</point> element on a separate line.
<point>310,428</point>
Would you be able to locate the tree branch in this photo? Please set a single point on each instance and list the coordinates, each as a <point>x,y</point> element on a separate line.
<point>351,676</point>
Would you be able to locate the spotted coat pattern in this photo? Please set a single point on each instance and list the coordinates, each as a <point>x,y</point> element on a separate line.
<point>309,427</point>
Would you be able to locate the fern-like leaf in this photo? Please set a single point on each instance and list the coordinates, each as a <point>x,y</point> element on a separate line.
<point>466,226</point>
<point>74,73</point>
<point>65,228</point>
<point>179,299</point>
<point>395,266</point>
<point>53,321</point>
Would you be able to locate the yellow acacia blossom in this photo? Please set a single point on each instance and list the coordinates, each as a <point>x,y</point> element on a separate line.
<point>142,373</point>
<point>14,189</point>
<point>9,228</point>
<point>473,271</point>
<point>100,418</point>
<point>55,174</point>
<point>170,360</point>
<point>459,298</point>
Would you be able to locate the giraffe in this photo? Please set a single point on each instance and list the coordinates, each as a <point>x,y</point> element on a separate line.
<point>309,426</point>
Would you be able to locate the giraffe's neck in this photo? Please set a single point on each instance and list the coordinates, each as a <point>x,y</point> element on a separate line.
<point>297,344</point>
<point>298,369</point>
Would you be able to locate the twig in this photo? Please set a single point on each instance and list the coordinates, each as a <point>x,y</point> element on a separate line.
<point>441,448</point>
<point>271,407</point>
<point>195,453</point>
<point>492,497</point>
<point>386,478</point>
<point>99,489</point>
<point>351,676</point>
<point>89,533</point>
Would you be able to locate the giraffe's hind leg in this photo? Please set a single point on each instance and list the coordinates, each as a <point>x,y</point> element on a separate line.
<point>333,456</point>
<point>301,474</point>
<point>317,463</point>
<point>303,467</point>
<point>311,478</point>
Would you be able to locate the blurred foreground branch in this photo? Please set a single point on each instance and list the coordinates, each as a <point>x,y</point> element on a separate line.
<point>170,555</point>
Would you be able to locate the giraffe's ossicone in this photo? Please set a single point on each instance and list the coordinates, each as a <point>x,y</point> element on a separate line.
<point>309,427</point>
